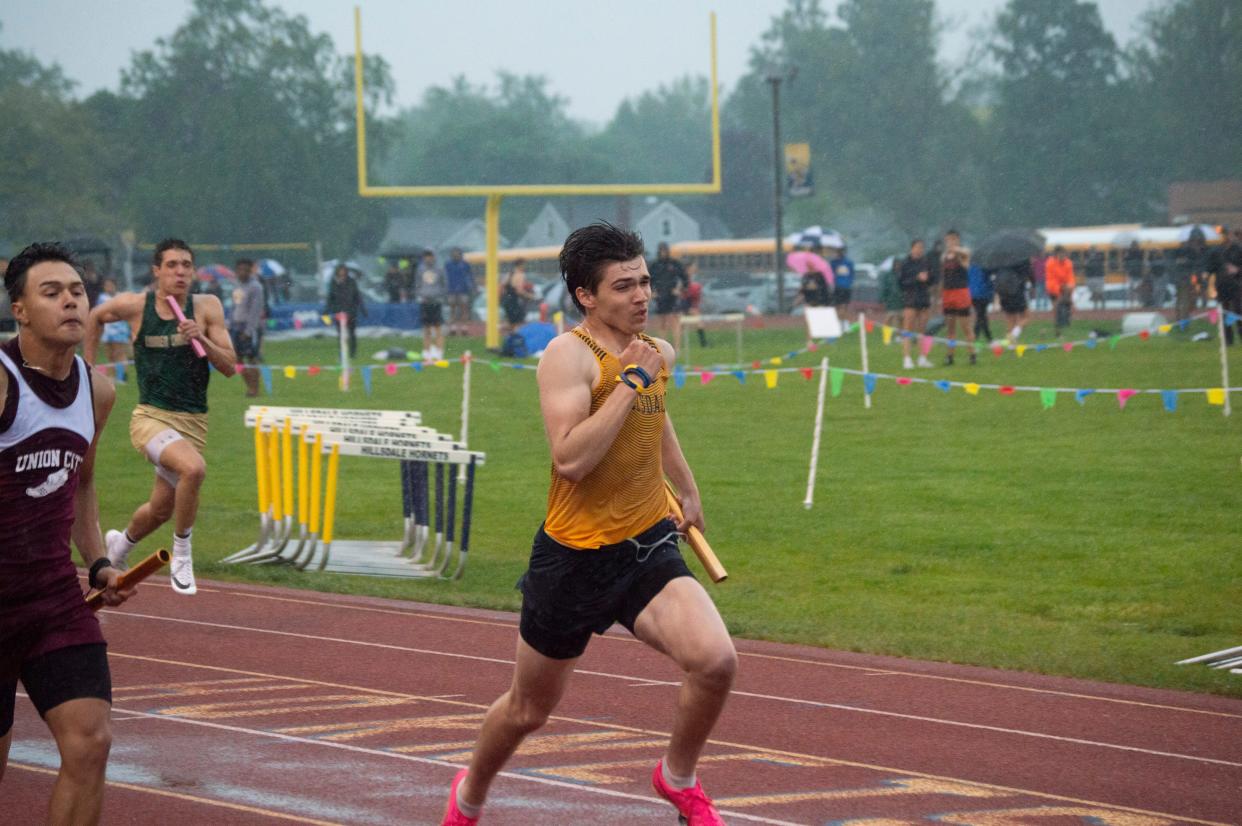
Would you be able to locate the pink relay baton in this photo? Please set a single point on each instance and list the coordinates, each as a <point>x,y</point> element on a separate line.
<point>176,308</point>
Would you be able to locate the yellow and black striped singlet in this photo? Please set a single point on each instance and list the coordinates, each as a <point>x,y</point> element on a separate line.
<point>624,494</point>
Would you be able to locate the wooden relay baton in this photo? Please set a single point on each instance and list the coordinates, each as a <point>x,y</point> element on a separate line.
<point>698,542</point>
<point>133,576</point>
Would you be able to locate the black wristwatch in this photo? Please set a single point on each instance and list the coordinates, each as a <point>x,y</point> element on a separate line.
<point>97,566</point>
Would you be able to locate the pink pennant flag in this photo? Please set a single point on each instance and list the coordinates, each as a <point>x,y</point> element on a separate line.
<point>1123,396</point>
<point>1067,346</point>
<point>1007,390</point>
<point>925,344</point>
<point>239,367</point>
<point>806,372</point>
<point>870,325</point>
<point>812,347</point>
<point>904,380</point>
<point>390,369</point>
<point>706,376</point>
<point>313,370</point>
<point>1144,334</point>
<point>1211,316</point>
<point>297,324</point>
<point>997,350</point>
<point>754,365</point>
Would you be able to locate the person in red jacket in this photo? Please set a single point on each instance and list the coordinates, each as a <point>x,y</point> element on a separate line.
<point>1059,278</point>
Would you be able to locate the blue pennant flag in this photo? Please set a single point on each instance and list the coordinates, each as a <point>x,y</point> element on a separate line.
<point>943,385</point>
<point>267,379</point>
<point>1080,396</point>
<point>1232,318</point>
<point>120,371</point>
<point>1183,324</point>
<point>1039,348</point>
<point>1169,397</point>
<point>1091,342</point>
<point>741,377</point>
<point>366,378</point>
<point>417,365</point>
<point>952,343</point>
<point>869,380</point>
<point>679,377</point>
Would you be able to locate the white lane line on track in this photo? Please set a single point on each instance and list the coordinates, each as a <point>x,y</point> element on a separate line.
<point>431,761</point>
<point>870,670</point>
<point>749,747</point>
<point>753,695</point>
<point>206,801</point>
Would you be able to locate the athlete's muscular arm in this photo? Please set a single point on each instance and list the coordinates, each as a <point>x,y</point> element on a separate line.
<point>567,372</point>
<point>675,465</point>
<point>124,307</point>
<point>85,532</point>
<point>211,333</point>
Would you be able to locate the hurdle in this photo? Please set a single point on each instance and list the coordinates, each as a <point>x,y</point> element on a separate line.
<point>426,547</point>
<point>1229,658</point>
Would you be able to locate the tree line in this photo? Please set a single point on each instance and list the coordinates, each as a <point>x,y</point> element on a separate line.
<point>239,127</point>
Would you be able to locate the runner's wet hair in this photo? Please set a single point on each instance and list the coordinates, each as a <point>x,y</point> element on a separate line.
<point>167,244</point>
<point>36,253</point>
<point>588,249</point>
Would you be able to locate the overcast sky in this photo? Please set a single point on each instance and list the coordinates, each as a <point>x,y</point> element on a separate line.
<point>594,53</point>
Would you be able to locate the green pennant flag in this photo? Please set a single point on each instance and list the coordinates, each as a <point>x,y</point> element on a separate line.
<point>837,377</point>
<point>495,365</point>
<point>1112,342</point>
<point>1047,397</point>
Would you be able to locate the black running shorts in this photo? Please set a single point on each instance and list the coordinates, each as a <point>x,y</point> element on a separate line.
<point>58,676</point>
<point>569,594</point>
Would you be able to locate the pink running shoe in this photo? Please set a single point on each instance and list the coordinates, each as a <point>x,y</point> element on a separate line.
<point>453,815</point>
<point>694,806</point>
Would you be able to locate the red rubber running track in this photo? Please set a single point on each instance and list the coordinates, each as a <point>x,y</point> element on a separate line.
<point>255,705</point>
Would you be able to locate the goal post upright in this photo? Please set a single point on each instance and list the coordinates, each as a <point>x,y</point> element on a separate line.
<point>494,193</point>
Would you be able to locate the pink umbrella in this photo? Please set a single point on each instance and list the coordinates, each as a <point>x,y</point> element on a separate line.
<point>803,261</point>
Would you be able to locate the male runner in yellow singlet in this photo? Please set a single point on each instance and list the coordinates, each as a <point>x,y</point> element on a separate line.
<point>169,424</point>
<point>607,551</point>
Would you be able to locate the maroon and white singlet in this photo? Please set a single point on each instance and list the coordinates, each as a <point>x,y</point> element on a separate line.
<point>46,427</point>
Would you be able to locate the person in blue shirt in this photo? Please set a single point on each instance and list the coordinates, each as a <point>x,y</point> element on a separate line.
<point>982,291</point>
<point>461,292</point>
<point>843,270</point>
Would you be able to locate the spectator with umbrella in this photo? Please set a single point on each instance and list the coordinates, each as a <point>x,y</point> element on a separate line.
<point>1008,254</point>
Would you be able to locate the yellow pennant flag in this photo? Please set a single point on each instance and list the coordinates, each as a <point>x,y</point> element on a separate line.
<point>886,333</point>
<point>1163,329</point>
<point>327,320</point>
<point>1020,350</point>
<point>775,360</point>
<point>769,378</point>
<point>442,363</point>
<point>1216,395</point>
<point>291,372</point>
<point>972,388</point>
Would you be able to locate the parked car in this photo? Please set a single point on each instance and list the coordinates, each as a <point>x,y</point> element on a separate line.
<point>745,292</point>
<point>1121,296</point>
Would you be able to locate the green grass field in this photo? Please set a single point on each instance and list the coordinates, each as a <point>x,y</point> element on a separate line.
<point>1082,540</point>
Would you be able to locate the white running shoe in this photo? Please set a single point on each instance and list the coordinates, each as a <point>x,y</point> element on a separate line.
<point>923,362</point>
<point>907,363</point>
<point>183,575</point>
<point>114,541</point>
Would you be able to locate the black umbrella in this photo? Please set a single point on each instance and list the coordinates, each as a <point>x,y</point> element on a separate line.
<point>1008,248</point>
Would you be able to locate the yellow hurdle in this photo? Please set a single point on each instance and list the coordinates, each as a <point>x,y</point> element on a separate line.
<point>273,468</point>
<point>329,505</point>
<point>316,484</point>
<point>302,478</point>
<point>286,446</point>
<point>260,465</point>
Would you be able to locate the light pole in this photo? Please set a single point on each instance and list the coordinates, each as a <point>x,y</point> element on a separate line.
<point>776,74</point>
